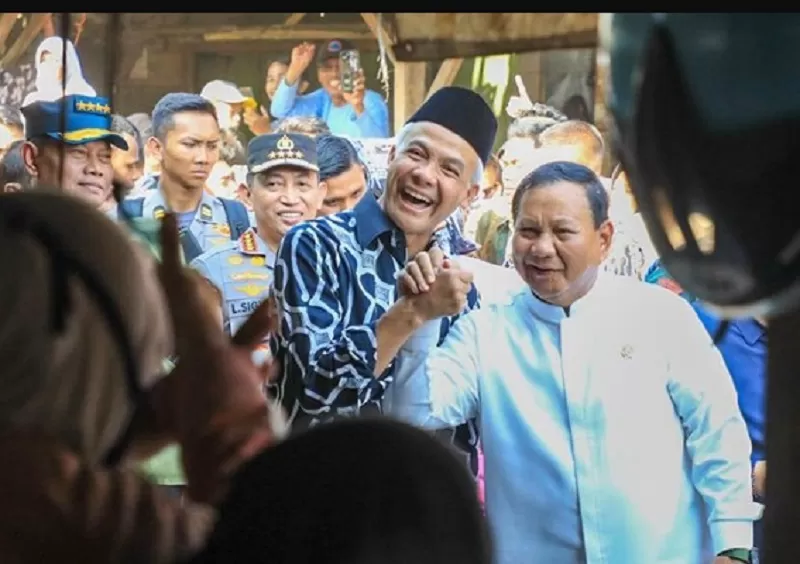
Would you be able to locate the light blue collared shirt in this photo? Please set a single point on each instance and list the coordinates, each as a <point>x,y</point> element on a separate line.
<point>607,439</point>
<point>341,120</point>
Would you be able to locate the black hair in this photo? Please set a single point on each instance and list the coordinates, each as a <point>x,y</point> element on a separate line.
<point>11,117</point>
<point>307,125</point>
<point>143,123</point>
<point>565,171</point>
<point>335,155</point>
<point>576,108</point>
<point>355,491</point>
<point>13,169</point>
<point>176,103</point>
<point>283,59</point>
<point>121,125</point>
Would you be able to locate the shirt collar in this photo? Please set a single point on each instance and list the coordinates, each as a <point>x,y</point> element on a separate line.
<point>556,314</point>
<point>204,211</point>
<point>371,220</point>
<point>751,330</point>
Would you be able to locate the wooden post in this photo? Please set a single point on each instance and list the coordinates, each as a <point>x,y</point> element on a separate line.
<point>409,91</point>
<point>24,39</point>
<point>445,76</point>
<point>600,113</point>
<point>380,34</point>
<point>7,22</point>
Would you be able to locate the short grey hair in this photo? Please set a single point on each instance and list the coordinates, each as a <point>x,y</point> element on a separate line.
<point>402,138</point>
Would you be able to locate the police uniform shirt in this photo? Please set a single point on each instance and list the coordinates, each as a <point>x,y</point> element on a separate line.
<point>209,227</point>
<point>243,272</point>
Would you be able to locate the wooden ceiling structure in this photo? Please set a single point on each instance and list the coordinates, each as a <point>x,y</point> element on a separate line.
<point>409,39</point>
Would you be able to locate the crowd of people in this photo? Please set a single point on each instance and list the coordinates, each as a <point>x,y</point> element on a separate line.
<point>510,302</point>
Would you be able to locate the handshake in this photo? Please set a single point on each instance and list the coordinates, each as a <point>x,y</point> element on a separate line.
<point>434,285</point>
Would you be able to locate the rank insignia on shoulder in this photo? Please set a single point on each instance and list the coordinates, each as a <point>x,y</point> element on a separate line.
<point>248,241</point>
<point>159,212</point>
<point>206,212</point>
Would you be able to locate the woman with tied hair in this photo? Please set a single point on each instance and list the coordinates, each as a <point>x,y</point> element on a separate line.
<point>84,327</point>
<point>49,61</point>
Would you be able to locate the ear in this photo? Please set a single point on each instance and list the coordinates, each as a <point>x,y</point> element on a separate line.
<point>155,147</point>
<point>472,193</point>
<point>392,152</point>
<point>29,154</point>
<point>243,194</point>
<point>323,184</point>
<point>606,232</point>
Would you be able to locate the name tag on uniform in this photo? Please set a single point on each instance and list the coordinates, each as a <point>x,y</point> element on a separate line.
<point>242,307</point>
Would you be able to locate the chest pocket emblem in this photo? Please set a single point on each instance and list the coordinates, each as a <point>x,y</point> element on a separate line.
<point>235,260</point>
<point>626,352</point>
<point>251,290</point>
<point>258,261</point>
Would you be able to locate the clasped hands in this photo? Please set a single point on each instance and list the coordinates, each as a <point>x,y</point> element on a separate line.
<point>434,285</point>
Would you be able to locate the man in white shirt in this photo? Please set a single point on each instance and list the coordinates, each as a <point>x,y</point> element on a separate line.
<point>608,438</point>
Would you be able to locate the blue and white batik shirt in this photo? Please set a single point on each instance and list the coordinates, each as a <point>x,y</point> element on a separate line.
<point>334,279</point>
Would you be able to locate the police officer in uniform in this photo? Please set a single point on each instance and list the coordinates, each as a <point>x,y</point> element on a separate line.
<point>73,153</point>
<point>283,185</point>
<point>186,138</point>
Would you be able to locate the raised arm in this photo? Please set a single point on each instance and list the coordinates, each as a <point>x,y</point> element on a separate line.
<point>329,361</point>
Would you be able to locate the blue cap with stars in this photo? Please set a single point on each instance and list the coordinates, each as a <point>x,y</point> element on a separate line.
<point>281,149</point>
<point>86,119</point>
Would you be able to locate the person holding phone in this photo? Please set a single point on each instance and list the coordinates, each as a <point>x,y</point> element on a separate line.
<point>342,102</point>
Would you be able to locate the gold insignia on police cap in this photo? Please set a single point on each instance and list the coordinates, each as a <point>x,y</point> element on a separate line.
<point>159,212</point>
<point>88,106</point>
<point>258,261</point>
<point>235,260</point>
<point>206,212</point>
<point>251,290</point>
<point>285,144</point>
<point>286,149</point>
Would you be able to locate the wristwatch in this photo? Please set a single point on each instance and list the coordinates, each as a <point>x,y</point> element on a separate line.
<point>744,555</point>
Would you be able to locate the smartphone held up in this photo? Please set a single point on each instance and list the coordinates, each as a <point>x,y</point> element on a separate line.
<point>350,65</point>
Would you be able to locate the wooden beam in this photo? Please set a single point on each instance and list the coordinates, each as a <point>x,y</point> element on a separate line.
<point>24,40</point>
<point>294,33</point>
<point>445,75</point>
<point>7,22</point>
<point>409,91</point>
<point>379,33</point>
<point>294,19</point>
<point>49,28</point>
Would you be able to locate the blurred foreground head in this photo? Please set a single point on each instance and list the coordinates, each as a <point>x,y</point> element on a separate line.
<point>707,121</point>
<point>84,325</point>
<point>352,492</point>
